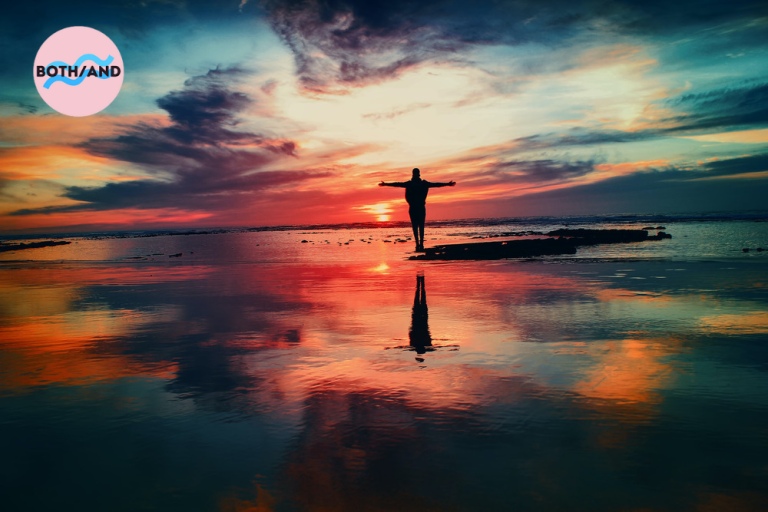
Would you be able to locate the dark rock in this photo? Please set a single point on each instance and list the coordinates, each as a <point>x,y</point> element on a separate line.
<point>602,236</point>
<point>499,250</point>
<point>178,254</point>
<point>759,249</point>
<point>566,243</point>
<point>746,249</point>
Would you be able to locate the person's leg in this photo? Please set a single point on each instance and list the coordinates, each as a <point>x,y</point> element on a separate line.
<point>415,225</point>
<point>422,220</point>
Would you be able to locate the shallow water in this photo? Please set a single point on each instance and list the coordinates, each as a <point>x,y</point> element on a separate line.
<point>345,377</point>
<point>693,240</point>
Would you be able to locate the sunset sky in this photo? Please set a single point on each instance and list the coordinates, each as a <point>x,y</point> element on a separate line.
<point>248,113</point>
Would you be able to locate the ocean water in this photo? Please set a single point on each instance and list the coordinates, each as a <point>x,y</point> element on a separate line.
<point>259,372</point>
<point>694,238</point>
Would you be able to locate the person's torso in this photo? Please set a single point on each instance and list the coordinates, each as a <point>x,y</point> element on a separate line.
<point>416,192</point>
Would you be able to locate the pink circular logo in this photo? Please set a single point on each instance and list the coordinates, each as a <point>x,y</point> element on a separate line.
<point>78,71</point>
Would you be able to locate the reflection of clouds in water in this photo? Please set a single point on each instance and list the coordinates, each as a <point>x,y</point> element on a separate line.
<point>750,322</point>
<point>547,358</point>
<point>208,323</point>
<point>107,323</point>
<point>628,371</point>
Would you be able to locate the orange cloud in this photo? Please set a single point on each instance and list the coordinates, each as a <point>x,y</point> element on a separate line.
<point>110,219</point>
<point>58,130</point>
<point>47,339</point>
<point>606,171</point>
<point>44,162</point>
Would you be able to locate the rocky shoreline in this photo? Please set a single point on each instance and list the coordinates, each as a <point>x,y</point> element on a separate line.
<point>562,241</point>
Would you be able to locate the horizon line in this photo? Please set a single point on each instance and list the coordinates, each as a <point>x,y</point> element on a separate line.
<point>470,221</point>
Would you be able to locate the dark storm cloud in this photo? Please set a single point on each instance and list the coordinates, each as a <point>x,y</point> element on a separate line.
<point>349,42</point>
<point>355,42</point>
<point>200,159</point>
<point>202,111</point>
<point>340,43</point>
<point>732,108</point>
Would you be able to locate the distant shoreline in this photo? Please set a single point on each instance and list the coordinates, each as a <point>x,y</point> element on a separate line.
<point>33,245</point>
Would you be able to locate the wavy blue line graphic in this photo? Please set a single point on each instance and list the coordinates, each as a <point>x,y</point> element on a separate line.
<point>88,56</point>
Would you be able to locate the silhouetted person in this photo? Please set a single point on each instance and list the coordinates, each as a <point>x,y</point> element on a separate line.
<point>419,332</point>
<point>416,191</point>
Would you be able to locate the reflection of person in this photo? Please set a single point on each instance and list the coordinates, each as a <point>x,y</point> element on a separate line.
<point>416,191</point>
<point>419,332</point>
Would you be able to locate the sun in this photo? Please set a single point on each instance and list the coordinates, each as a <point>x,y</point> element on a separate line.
<point>380,210</point>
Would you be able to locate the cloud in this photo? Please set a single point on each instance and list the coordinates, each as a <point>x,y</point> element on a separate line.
<point>352,43</point>
<point>500,181</point>
<point>339,44</point>
<point>397,112</point>
<point>29,109</point>
<point>722,109</point>
<point>670,189</point>
<point>531,171</point>
<point>3,186</point>
<point>512,153</point>
<point>745,165</point>
<point>737,108</point>
<point>199,159</point>
<point>580,137</point>
<point>661,17</point>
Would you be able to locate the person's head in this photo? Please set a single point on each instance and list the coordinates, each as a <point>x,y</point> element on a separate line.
<point>416,174</point>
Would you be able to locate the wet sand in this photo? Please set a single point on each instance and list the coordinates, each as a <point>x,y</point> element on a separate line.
<point>379,383</point>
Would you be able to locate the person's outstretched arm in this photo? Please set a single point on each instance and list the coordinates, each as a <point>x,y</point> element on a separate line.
<point>394,184</point>
<point>438,185</point>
